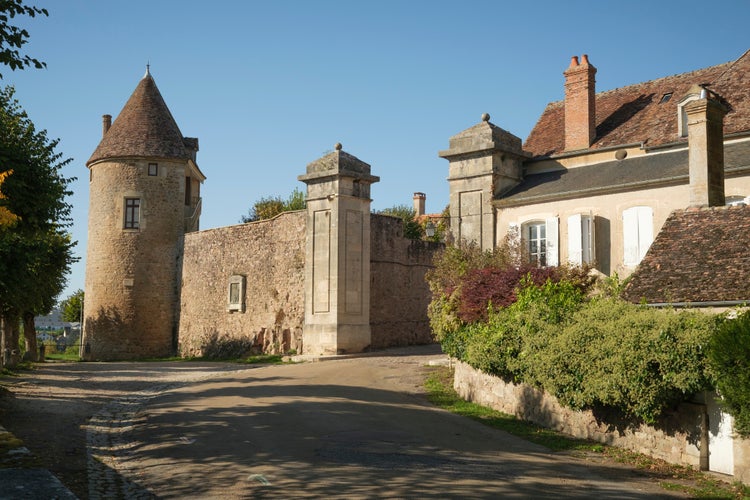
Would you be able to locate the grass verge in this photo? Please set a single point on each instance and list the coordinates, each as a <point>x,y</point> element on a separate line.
<point>439,386</point>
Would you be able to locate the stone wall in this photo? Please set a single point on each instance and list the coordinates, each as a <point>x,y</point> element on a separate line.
<point>270,256</point>
<point>682,439</point>
<point>399,294</point>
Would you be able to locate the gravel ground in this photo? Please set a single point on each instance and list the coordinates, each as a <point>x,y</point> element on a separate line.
<point>79,420</point>
<point>57,408</point>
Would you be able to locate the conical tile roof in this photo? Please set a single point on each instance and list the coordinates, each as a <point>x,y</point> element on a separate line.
<point>144,128</point>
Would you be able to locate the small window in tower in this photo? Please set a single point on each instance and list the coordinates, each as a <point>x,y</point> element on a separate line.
<point>665,98</point>
<point>153,169</point>
<point>132,213</point>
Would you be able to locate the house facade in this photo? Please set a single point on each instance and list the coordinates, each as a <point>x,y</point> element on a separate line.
<point>601,171</point>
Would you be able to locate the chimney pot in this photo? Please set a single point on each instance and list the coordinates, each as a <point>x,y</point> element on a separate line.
<point>573,61</point>
<point>584,60</point>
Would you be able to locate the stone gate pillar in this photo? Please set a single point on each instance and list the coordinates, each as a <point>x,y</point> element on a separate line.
<point>337,255</point>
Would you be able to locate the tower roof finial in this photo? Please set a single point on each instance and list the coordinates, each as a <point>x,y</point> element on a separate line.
<point>148,69</point>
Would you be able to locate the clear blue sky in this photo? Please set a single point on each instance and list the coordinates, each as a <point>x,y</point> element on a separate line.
<point>269,86</point>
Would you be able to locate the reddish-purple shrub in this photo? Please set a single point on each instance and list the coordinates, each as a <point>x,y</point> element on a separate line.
<point>497,286</point>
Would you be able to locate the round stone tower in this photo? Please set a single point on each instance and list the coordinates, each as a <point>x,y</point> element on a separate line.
<point>144,196</point>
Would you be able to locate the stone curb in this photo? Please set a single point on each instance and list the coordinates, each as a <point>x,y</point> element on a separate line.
<point>17,482</point>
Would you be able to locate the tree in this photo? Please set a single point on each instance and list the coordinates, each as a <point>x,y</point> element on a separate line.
<point>36,252</point>
<point>271,206</point>
<point>72,307</point>
<point>12,38</point>
<point>412,228</point>
<point>7,218</point>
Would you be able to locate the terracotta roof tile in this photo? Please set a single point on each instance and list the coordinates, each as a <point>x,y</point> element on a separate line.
<point>700,255</point>
<point>635,113</point>
<point>144,128</point>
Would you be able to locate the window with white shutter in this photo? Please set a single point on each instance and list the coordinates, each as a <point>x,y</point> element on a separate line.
<point>540,240</point>
<point>637,233</point>
<point>581,249</point>
<point>553,250</point>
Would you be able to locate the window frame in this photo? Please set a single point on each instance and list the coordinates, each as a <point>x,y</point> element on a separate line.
<point>132,213</point>
<point>236,301</point>
<point>153,169</point>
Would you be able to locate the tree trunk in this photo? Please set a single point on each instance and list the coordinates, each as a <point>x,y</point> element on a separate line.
<point>11,354</point>
<point>29,335</point>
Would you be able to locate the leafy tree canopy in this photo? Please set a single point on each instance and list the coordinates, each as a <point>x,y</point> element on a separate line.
<point>271,206</point>
<point>412,228</point>
<point>36,252</point>
<point>7,218</point>
<point>72,307</point>
<point>13,38</point>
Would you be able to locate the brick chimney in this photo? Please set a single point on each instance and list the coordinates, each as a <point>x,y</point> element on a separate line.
<point>580,111</point>
<point>705,121</point>
<point>419,201</point>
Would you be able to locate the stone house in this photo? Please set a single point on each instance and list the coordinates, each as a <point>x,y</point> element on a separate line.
<point>328,280</point>
<point>601,171</point>
<point>649,181</point>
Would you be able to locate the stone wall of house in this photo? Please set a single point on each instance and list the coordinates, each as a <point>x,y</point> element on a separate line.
<point>270,256</point>
<point>682,439</point>
<point>741,460</point>
<point>399,294</point>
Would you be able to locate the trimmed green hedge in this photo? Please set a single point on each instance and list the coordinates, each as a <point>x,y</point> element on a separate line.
<point>602,352</point>
<point>729,364</point>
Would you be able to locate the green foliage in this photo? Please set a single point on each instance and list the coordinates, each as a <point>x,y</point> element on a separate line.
<point>600,352</point>
<point>36,251</point>
<point>729,364</point>
<point>12,38</point>
<point>72,307</point>
<point>640,360</point>
<point>412,228</point>
<point>271,206</point>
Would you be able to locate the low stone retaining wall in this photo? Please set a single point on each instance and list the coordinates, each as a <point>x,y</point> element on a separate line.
<point>682,437</point>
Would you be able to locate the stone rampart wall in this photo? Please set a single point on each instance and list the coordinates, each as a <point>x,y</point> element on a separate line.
<point>681,440</point>
<point>270,255</point>
<point>399,294</point>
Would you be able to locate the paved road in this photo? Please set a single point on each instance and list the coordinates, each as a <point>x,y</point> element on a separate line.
<point>353,428</point>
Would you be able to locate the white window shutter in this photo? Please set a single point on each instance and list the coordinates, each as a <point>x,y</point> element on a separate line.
<point>553,253</point>
<point>588,240</point>
<point>576,249</point>
<point>630,236</point>
<point>645,230</point>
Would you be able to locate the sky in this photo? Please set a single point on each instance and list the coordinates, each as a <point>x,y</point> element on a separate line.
<point>270,86</point>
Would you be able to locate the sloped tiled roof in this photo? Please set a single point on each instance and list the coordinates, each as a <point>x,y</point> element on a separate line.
<point>144,128</point>
<point>635,114</point>
<point>617,175</point>
<point>700,255</point>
